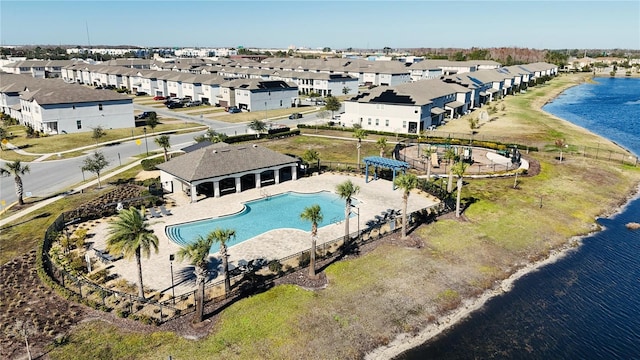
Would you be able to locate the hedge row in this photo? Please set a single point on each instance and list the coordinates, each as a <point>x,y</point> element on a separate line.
<point>495,145</point>
<point>251,137</point>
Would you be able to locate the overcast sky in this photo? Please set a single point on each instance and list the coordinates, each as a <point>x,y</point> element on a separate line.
<point>313,24</point>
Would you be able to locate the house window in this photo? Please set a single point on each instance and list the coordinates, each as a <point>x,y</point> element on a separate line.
<point>377,122</point>
<point>369,121</point>
<point>386,122</point>
<point>79,124</point>
<point>74,107</point>
<point>280,103</point>
<point>404,124</point>
<point>100,107</point>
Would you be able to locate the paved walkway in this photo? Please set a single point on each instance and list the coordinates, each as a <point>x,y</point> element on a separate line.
<point>374,197</point>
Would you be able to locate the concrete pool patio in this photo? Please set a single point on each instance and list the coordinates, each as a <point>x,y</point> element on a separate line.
<point>374,197</point>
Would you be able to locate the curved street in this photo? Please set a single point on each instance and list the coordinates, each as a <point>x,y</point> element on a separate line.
<point>51,177</point>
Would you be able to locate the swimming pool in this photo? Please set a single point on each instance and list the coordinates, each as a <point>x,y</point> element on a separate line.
<point>259,216</point>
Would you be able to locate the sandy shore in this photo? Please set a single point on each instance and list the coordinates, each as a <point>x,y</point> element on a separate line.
<point>406,341</point>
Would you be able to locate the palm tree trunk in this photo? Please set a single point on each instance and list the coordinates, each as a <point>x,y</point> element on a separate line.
<point>99,185</point>
<point>450,182</point>
<point>139,263</point>
<point>347,212</point>
<point>166,156</point>
<point>199,315</point>
<point>405,200</point>
<point>312,252</point>
<point>359,145</point>
<point>458,198</point>
<point>428,168</point>
<point>19,189</point>
<point>225,268</point>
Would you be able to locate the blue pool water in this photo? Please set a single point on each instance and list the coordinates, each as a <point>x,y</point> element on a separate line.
<point>259,216</point>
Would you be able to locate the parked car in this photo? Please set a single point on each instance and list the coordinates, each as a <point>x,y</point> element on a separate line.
<point>159,97</point>
<point>141,93</point>
<point>145,115</point>
<point>295,116</point>
<point>234,110</point>
<point>175,105</point>
<point>194,103</point>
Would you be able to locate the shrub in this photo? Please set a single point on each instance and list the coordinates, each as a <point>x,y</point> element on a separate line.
<point>275,266</point>
<point>304,259</point>
<point>150,164</point>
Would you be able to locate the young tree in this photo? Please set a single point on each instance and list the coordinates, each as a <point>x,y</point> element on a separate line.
<point>312,214</point>
<point>451,156</point>
<point>346,190</point>
<point>345,90</point>
<point>406,182</point>
<point>130,235</point>
<point>258,125</point>
<point>332,104</point>
<point>164,142</point>
<point>198,253</point>
<point>311,156</point>
<point>359,134</point>
<point>152,121</point>
<point>98,132</point>
<point>560,145</point>
<point>17,170</point>
<point>222,236</point>
<point>215,136</point>
<point>95,163</point>
<point>458,170</point>
<point>382,145</point>
<point>426,152</point>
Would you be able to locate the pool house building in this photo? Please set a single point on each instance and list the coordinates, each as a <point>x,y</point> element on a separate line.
<point>222,169</point>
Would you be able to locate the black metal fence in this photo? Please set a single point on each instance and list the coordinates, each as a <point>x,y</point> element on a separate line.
<point>155,310</point>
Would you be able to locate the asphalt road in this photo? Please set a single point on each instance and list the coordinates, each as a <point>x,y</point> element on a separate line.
<point>51,177</point>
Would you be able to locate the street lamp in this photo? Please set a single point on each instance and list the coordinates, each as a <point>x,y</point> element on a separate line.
<point>145,139</point>
<point>173,290</point>
<point>357,213</point>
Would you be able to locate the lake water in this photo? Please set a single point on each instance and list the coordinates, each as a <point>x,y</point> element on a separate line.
<point>587,305</point>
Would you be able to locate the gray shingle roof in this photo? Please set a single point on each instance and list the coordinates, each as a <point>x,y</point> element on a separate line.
<point>221,160</point>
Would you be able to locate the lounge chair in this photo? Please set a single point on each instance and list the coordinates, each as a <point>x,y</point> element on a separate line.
<point>154,213</point>
<point>164,211</point>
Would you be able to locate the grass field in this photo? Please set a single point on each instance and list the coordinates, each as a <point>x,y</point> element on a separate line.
<point>396,289</point>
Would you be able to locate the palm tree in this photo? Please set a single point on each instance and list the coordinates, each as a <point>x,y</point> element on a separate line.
<point>382,145</point>
<point>198,253</point>
<point>346,191</point>
<point>16,169</point>
<point>130,235</point>
<point>451,156</point>
<point>406,182</point>
<point>314,215</point>
<point>458,170</point>
<point>221,236</point>
<point>427,151</point>
<point>311,156</point>
<point>164,143</point>
<point>359,134</point>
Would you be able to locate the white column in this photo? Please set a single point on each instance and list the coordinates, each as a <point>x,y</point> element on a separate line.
<point>238,185</point>
<point>216,189</point>
<point>258,180</point>
<point>193,193</point>
<point>294,172</point>
<point>276,174</point>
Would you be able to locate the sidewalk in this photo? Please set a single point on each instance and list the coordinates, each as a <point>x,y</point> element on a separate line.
<point>46,202</point>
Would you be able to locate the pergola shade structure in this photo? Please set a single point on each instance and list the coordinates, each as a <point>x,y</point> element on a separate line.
<point>377,161</point>
<point>222,169</point>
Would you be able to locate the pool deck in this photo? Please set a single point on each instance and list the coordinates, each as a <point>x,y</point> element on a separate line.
<point>374,197</point>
